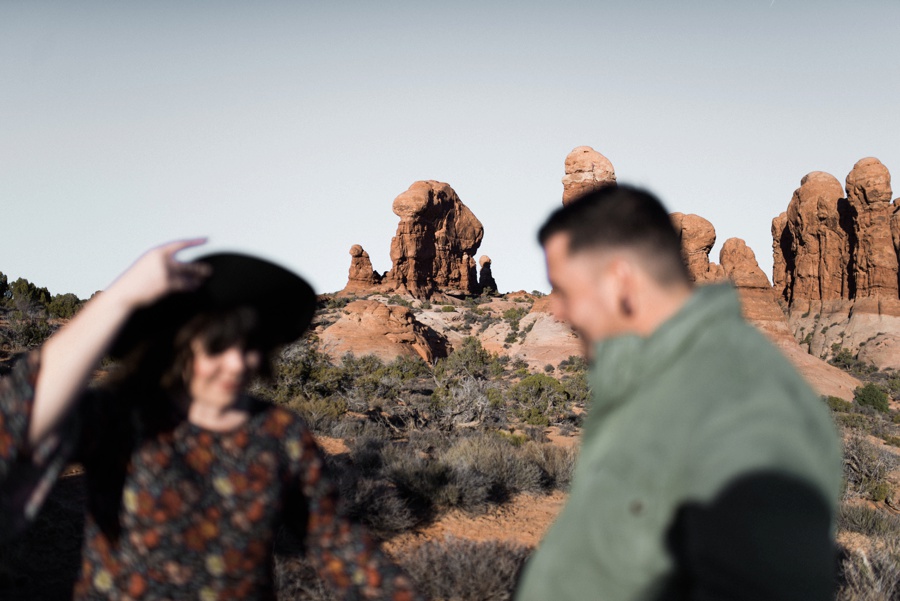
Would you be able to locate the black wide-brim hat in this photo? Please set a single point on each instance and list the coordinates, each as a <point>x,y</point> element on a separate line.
<point>284,302</point>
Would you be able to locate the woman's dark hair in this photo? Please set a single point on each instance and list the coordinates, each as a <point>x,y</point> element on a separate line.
<point>138,397</point>
<point>162,363</point>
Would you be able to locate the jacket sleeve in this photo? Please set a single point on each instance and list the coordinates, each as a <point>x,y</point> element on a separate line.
<point>343,551</point>
<point>26,474</point>
<point>766,536</point>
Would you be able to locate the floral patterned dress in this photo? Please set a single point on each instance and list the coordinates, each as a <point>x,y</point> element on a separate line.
<point>197,510</point>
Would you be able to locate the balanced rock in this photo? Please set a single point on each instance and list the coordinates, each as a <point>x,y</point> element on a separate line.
<point>486,279</point>
<point>361,277</point>
<point>697,236</point>
<point>436,239</point>
<point>874,256</point>
<point>586,170</point>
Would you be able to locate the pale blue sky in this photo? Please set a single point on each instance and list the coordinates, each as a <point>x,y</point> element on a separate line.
<point>287,128</point>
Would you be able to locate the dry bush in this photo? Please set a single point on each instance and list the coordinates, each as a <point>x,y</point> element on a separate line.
<point>866,468</point>
<point>868,521</point>
<point>556,464</point>
<point>872,575</point>
<point>488,464</point>
<point>464,570</point>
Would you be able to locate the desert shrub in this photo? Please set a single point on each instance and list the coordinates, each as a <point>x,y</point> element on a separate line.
<point>893,385</point>
<point>486,469</point>
<point>464,399</point>
<point>27,329</point>
<point>867,520</point>
<point>513,316</point>
<point>335,302</point>
<point>892,440</point>
<point>870,576</point>
<point>465,570</point>
<point>854,421</point>
<point>448,309</point>
<point>396,299</point>
<point>320,414</point>
<point>556,464</point>
<point>866,468</point>
<point>871,395</point>
<point>843,358</point>
<point>64,306</point>
<point>837,404</point>
<point>573,363</point>
<point>470,358</point>
<point>539,400</point>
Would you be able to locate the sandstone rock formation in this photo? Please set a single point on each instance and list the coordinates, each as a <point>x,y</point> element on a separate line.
<point>361,277</point>
<point>387,331</point>
<point>836,267</point>
<point>697,237</point>
<point>781,245</point>
<point>432,252</point>
<point>435,242</point>
<point>813,243</point>
<point>486,279</point>
<point>874,256</point>
<point>828,247</point>
<point>586,170</point>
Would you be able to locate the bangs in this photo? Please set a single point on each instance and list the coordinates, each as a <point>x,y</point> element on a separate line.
<point>221,330</point>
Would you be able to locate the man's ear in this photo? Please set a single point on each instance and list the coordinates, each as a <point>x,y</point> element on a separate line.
<point>622,277</point>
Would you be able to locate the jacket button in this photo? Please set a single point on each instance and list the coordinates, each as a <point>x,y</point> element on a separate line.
<point>636,507</point>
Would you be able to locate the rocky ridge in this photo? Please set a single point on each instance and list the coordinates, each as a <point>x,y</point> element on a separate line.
<point>835,255</point>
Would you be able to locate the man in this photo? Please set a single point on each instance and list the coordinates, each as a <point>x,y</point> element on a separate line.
<point>708,468</point>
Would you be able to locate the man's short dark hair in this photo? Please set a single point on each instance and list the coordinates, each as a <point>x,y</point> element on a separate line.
<point>622,217</point>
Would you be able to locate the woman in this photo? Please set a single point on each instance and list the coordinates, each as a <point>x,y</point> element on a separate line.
<point>188,477</point>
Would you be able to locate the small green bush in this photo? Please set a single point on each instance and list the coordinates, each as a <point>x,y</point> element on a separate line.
<point>838,404</point>
<point>448,309</point>
<point>854,421</point>
<point>873,396</point>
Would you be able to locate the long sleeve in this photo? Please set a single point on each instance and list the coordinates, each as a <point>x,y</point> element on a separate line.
<point>343,551</point>
<point>26,474</point>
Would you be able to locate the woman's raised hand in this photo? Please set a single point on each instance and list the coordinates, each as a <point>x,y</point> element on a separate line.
<point>69,357</point>
<point>157,273</point>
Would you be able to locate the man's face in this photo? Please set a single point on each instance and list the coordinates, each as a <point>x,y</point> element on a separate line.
<point>585,290</point>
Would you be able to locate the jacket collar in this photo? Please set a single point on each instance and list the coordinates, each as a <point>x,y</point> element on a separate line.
<point>622,363</point>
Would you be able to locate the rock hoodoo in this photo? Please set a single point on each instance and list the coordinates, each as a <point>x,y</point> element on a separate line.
<point>486,279</point>
<point>435,241</point>
<point>813,243</point>
<point>433,250</point>
<point>874,258</point>
<point>828,247</point>
<point>586,170</point>
<point>836,264</point>
<point>697,236</point>
<point>361,276</point>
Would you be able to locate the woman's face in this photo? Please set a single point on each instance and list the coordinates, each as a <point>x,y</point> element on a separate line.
<point>218,379</point>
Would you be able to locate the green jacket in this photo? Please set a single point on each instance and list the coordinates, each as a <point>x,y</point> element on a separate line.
<point>676,418</point>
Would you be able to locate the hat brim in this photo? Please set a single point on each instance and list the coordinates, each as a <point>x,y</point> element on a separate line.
<point>285,302</point>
